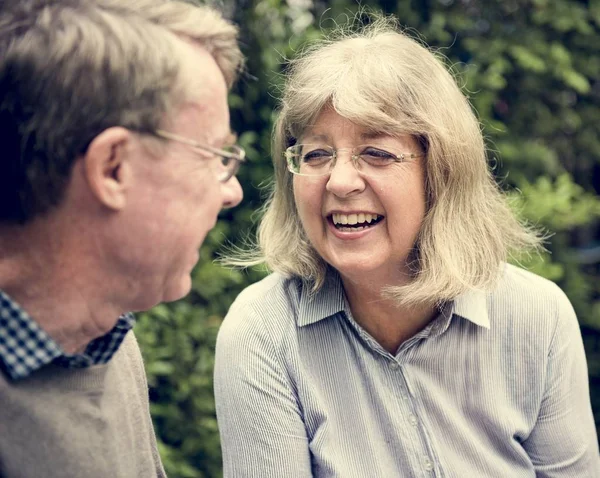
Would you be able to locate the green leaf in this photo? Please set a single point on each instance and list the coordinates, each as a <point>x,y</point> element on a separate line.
<point>576,81</point>
<point>528,60</point>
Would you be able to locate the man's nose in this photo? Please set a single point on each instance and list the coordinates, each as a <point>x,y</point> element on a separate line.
<point>232,193</point>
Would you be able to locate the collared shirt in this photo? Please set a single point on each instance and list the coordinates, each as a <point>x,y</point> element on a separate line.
<point>495,386</point>
<point>26,347</point>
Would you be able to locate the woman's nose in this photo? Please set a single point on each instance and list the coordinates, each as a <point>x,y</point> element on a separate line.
<point>344,178</point>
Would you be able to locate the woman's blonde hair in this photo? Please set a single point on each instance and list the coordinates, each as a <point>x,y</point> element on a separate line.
<point>383,79</point>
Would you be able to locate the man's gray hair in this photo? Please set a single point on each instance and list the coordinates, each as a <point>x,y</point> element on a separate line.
<point>71,68</point>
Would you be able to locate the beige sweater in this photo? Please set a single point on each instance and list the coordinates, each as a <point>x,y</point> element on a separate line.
<point>80,423</point>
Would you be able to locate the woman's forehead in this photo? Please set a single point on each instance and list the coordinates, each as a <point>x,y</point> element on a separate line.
<point>327,131</point>
<point>330,123</point>
<point>361,138</point>
<point>365,135</point>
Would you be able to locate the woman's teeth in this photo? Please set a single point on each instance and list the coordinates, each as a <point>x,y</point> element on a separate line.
<point>357,222</point>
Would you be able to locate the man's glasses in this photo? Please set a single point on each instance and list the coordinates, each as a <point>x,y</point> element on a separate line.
<point>231,156</point>
<point>319,160</point>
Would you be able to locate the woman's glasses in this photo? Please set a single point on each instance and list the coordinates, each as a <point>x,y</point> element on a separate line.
<point>319,160</point>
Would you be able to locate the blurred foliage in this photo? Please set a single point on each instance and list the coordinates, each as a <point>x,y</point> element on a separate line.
<point>531,69</point>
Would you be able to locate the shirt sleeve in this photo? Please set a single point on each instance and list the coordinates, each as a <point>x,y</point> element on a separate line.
<point>563,442</point>
<point>260,422</point>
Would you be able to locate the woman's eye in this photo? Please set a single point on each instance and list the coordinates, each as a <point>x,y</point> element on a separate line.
<point>377,155</point>
<point>316,155</point>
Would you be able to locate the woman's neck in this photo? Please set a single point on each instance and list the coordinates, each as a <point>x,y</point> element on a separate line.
<point>387,322</point>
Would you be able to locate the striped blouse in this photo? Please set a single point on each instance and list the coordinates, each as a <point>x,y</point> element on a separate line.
<point>495,386</point>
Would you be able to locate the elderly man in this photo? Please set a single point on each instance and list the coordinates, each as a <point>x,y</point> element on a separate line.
<point>116,159</point>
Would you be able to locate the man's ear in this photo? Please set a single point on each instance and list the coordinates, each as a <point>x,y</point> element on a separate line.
<point>106,166</point>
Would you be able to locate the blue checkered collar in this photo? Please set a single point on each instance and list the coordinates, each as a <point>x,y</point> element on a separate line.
<point>26,347</point>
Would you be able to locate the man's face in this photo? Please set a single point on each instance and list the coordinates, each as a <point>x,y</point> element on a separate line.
<point>176,196</point>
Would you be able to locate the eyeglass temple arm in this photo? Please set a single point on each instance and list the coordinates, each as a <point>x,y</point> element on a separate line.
<point>189,142</point>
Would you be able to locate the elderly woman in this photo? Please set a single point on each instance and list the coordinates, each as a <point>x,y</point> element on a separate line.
<point>392,339</point>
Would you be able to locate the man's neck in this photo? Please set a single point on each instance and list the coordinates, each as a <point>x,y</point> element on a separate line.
<point>46,277</point>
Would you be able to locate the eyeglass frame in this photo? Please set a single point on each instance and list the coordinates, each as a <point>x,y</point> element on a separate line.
<point>238,158</point>
<point>398,158</point>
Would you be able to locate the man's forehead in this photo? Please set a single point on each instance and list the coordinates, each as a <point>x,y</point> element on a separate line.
<point>207,119</point>
<point>204,115</point>
<point>200,79</point>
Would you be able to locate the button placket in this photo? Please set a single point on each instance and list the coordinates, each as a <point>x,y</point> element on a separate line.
<point>425,461</point>
<point>413,420</point>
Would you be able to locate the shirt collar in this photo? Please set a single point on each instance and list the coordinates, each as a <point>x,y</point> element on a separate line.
<point>472,306</point>
<point>327,301</point>
<point>25,347</point>
<point>330,300</point>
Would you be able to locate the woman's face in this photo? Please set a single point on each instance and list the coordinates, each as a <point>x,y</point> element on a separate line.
<point>393,196</point>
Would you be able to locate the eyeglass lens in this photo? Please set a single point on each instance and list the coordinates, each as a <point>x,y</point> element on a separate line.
<point>317,160</point>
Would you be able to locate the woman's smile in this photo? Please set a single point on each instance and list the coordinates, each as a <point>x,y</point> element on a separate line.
<point>353,226</point>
